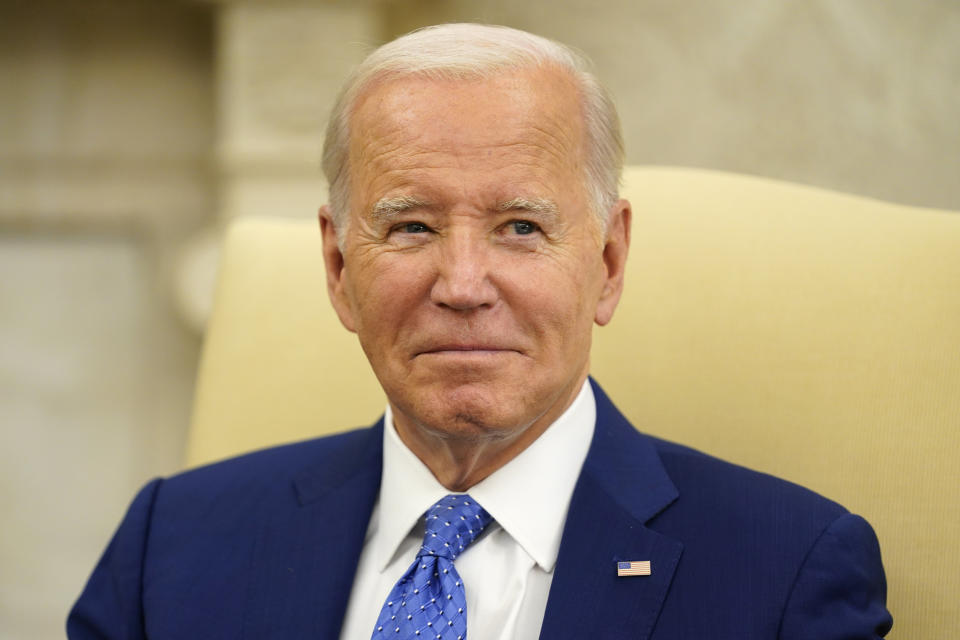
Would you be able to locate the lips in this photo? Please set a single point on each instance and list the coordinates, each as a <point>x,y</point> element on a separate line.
<point>465,349</point>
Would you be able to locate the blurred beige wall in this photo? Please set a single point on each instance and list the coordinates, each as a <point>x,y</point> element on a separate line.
<point>131,131</point>
<point>854,95</point>
<point>106,129</point>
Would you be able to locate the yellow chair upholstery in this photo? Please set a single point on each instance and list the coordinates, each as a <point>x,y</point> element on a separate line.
<point>810,334</point>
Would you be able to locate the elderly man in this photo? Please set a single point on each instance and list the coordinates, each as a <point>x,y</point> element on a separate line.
<point>474,235</point>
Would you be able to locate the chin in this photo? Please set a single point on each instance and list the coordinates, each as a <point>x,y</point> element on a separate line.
<point>473,410</point>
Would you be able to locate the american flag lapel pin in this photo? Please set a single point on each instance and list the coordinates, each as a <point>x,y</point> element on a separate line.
<point>634,568</point>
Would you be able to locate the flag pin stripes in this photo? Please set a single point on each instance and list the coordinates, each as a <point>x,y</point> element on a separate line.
<point>635,568</point>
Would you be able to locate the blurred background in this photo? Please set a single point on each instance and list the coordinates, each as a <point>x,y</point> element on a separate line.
<point>132,131</point>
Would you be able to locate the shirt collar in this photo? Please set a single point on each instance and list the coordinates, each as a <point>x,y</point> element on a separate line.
<point>528,497</point>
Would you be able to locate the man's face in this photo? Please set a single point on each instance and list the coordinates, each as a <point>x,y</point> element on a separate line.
<point>472,268</point>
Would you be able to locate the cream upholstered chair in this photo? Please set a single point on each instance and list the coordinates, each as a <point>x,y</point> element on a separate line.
<point>809,334</point>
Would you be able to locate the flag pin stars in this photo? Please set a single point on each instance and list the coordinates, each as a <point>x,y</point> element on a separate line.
<point>634,568</point>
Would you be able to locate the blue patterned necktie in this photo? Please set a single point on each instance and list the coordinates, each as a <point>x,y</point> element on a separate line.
<point>429,601</point>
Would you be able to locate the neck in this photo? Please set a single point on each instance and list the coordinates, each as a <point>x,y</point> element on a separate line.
<point>459,464</point>
<point>459,461</point>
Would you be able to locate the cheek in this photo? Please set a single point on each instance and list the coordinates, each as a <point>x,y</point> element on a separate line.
<point>560,300</point>
<point>384,293</point>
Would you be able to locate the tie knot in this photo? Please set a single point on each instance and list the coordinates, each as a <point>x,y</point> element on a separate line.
<point>452,524</point>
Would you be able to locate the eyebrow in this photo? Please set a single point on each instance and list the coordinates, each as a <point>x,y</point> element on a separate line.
<point>387,208</point>
<point>533,205</point>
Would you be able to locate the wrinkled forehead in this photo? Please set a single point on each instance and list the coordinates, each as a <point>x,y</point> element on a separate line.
<point>535,113</point>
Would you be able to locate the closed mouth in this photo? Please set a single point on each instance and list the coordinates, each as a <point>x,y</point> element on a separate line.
<point>466,349</point>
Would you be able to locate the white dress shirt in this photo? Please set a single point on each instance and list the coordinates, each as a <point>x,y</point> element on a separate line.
<point>507,571</point>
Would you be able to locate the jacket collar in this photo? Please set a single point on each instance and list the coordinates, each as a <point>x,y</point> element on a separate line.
<point>305,560</point>
<point>622,486</point>
<point>306,556</point>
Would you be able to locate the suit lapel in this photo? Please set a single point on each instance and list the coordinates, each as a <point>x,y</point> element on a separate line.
<point>622,486</point>
<point>306,558</point>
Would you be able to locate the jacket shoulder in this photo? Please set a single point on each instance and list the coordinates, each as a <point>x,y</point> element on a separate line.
<point>275,471</point>
<point>739,489</point>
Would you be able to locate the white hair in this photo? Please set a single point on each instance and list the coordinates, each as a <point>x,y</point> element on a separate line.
<point>477,51</point>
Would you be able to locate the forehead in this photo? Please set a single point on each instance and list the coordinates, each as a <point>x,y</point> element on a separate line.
<point>524,125</point>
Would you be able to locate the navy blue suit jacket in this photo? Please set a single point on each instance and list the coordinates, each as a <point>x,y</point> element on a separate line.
<point>266,546</point>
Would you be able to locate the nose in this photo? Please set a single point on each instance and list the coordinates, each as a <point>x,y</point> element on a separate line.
<point>463,276</point>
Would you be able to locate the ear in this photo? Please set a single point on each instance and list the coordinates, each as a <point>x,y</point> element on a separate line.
<point>336,271</point>
<point>615,249</point>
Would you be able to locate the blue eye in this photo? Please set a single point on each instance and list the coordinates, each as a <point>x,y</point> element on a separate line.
<point>524,227</point>
<point>414,227</point>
